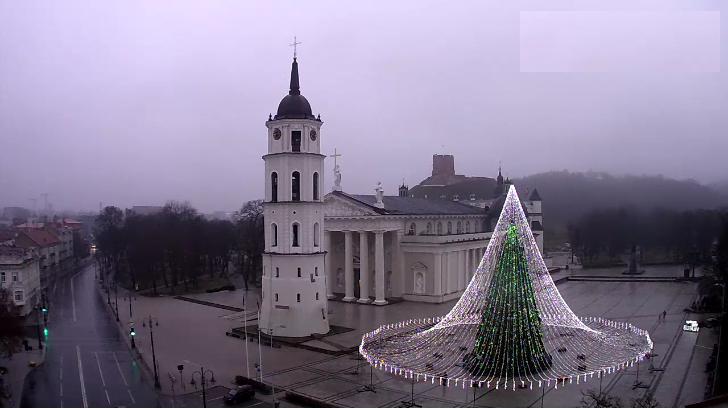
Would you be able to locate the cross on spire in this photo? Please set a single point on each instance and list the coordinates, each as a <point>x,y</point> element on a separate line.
<point>335,156</point>
<point>295,43</point>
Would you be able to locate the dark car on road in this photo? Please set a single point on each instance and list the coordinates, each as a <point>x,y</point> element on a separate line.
<point>239,394</point>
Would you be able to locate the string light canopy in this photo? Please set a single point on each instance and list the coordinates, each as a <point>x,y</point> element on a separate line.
<point>510,328</point>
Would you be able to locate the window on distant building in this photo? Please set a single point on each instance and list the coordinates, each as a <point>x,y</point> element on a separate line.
<point>315,271</point>
<point>429,228</point>
<point>472,197</point>
<point>456,198</point>
<point>296,141</point>
<point>459,227</point>
<point>276,296</point>
<point>18,296</point>
<point>2,277</point>
<point>296,187</point>
<point>412,229</point>
<point>274,235</point>
<point>316,296</point>
<point>298,297</point>
<point>299,271</point>
<point>274,187</point>
<point>278,272</point>
<point>467,227</point>
<point>315,186</point>
<point>15,276</point>
<point>316,234</point>
<point>295,235</point>
<point>439,227</point>
<point>449,227</point>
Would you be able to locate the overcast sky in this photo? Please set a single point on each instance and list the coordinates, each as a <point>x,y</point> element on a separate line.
<point>138,102</point>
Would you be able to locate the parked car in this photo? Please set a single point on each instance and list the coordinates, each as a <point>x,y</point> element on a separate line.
<point>239,394</point>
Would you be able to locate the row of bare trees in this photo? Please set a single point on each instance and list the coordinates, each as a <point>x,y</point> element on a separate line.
<point>178,246</point>
<point>667,235</point>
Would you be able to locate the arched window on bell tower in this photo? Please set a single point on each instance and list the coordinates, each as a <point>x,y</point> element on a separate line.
<point>315,186</point>
<point>316,235</point>
<point>274,187</point>
<point>295,235</point>
<point>274,235</point>
<point>296,187</point>
<point>296,141</point>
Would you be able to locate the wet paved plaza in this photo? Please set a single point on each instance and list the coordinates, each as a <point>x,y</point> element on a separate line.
<point>194,335</point>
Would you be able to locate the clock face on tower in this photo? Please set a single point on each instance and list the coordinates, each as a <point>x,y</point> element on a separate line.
<point>277,134</point>
<point>313,134</point>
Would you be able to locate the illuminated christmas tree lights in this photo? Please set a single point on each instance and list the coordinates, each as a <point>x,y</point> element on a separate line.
<point>509,341</point>
<point>511,326</point>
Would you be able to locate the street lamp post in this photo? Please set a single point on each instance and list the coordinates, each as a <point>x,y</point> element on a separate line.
<point>37,319</point>
<point>273,387</point>
<point>720,340</point>
<point>116,297</point>
<point>152,322</point>
<point>42,298</point>
<point>131,316</point>
<point>202,373</point>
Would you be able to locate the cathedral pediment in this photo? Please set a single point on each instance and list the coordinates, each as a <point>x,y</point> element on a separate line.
<point>338,207</point>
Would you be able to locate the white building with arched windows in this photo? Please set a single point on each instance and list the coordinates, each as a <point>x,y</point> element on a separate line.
<point>358,248</point>
<point>383,248</point>
<point>293,283</point>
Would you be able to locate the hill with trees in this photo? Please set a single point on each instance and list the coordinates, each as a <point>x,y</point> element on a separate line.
<point>568,196</point>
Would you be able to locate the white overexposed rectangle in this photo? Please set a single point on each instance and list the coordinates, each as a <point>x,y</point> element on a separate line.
<point>620,41</point>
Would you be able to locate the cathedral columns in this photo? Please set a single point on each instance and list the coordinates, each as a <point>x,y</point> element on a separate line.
<point>460,270</point>
<point>379,267</point>
<point>348,268</point>
<point>446,273</point>
<point>397,263</point>
<point>327,260</point>
<point>363,268</point>
<point>438,274</point>
<point>468,268</point>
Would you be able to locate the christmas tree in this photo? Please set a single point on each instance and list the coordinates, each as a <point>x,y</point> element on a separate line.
<point>509,341</point>
<point>510,327</point>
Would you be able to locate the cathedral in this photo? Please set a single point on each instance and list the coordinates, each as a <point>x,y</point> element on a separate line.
<point>422,244</point>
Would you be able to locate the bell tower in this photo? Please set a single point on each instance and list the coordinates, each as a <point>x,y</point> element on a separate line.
<point>294,280</point>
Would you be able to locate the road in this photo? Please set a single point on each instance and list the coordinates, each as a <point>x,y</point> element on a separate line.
<point>213,398</point>
<point>87,364</point>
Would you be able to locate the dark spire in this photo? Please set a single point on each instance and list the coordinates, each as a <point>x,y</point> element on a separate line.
<point>295,87</point>
<point>500,176</point>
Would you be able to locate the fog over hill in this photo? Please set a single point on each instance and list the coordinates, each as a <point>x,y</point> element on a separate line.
<point>567,196</point>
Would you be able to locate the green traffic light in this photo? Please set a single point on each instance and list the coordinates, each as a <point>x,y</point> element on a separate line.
<point>133,333</point>
<point>45,310</point>
<point>45,331</point>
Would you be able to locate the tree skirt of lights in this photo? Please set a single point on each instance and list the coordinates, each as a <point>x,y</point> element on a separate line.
<point>511,327</point>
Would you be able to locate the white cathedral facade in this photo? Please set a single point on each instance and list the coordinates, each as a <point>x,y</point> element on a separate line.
<point>369,249</point>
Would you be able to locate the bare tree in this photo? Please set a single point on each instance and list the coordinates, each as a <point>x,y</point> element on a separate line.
<point>250,239</point>
<point>11,325</point>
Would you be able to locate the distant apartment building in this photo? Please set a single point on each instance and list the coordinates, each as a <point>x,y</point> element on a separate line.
<point>48,248</point>
<point>20,273</point>
<point>147,210</point>
<point>14,212</point>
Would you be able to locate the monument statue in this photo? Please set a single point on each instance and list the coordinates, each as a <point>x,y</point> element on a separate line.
<point>633,270</point>
<point>337,178</point>
<point>379,193</point>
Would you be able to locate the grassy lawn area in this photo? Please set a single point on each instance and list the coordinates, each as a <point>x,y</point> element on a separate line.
<point>204,283</point>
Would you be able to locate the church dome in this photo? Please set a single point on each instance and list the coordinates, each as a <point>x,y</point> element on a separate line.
<point>294,105</point>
